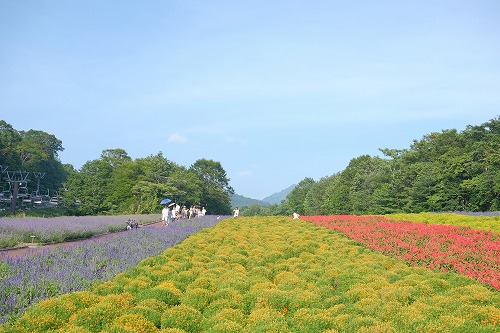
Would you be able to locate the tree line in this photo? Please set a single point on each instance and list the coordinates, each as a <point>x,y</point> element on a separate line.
<point>444,171</point>
<point>115,183</point>
<point>33,151</point>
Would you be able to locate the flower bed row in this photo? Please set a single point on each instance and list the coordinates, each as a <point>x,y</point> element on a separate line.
<point>14,231</point>
<point>270,274</point>
<point>481,221</point>
<point>26,280</point>
<point>471,252</point>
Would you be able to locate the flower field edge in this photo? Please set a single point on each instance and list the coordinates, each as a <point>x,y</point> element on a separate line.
<point>442,247</point>
<point>16,231</point>
<point>51,272</point>
<point>270,274</point>
<point>481,222</point>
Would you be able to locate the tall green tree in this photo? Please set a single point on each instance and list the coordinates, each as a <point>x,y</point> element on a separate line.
<point>36,147</point>
<point>480,189</point>
<point>353,190</point>
<point>153,183</point>
<point>122,177</point>
<point>443,171</point>
<point>39,152</point>
<point>32,151</point>
<point>337,198</point>
<point>366,174</point>
<point>89,187</point>
<point>296,198</point>
<point>216,191</point>
<point>9,140</point>
<point>115,157</point>
<point>314,203</point>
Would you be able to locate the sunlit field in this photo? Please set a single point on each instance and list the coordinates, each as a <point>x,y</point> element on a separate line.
<point>36,276</point>
<point>17,231</point>
<point>441,247</point>
<point>271,274</point>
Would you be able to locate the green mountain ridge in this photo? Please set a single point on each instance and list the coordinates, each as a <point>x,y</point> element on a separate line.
<point>277,198</point>
<point>241,201</point>
<point>274,199</point>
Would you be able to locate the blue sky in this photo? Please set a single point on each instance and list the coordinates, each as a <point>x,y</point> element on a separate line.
<point>275,91</point>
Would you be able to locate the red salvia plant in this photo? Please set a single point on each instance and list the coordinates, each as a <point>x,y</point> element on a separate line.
<point>471,252</point>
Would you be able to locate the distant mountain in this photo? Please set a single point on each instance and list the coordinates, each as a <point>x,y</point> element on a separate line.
<point>277,198</point>
<point>241,201</point>
<point>274,199</point>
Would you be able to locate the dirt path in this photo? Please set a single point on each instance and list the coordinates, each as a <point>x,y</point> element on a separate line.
<point>27,250</point>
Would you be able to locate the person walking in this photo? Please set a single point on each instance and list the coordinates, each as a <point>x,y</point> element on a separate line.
<point>165,215</point>
<point>174,215</point>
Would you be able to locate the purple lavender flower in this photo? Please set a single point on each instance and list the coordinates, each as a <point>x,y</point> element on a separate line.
<point>37,276</point>
<point>64,228</point>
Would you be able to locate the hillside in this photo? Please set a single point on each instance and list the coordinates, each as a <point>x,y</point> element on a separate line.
<point>241,201</point>
<point>274,199</point>
<point>277,198</point>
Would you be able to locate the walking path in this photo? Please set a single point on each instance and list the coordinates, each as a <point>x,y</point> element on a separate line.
<point>27,250</point>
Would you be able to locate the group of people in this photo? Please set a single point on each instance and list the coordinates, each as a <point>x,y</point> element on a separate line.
<point>174,211</point>
<point>236,213</point>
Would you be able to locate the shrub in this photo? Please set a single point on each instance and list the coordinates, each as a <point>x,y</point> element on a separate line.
<point>132,323</point>
<point>53,313</point>
<point>184,317</point>
<point>341,287</point>
<point>312,320</point>
<point>136,285</point>
<point>100,315</point>
<point>266,320</point>
<point>232,279</point>
<point>172,330</point>
<point>224,326</point>
<point>166,292</point>
<point>198,298</point>
<point>63,270</point>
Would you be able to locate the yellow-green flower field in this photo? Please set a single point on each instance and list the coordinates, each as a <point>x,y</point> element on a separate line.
<point>461,220</point>
<point>271,274</point>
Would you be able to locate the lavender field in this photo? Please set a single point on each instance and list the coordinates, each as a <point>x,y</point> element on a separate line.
<point>18,231</point>
<point>26,280</point>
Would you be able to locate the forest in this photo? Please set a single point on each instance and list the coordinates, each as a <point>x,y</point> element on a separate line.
<point>115,183</point>
<point>443,171</point>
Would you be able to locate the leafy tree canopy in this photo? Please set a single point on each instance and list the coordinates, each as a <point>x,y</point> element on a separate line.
<point>443,171</point>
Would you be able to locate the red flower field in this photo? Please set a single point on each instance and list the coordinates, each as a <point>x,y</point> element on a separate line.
<point>470,252</point>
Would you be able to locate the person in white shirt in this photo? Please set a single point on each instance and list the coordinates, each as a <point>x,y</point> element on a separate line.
<point>177,210</point>
<point>174,214</point>
<point>165,215</point>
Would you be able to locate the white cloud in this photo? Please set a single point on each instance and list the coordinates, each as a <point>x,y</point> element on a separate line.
<point>230,139</point>
<point>244,173</point>
<point>177,138</point>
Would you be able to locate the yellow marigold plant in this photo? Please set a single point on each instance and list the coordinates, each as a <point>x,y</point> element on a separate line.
<point>271,274</point>
<point>472,221</point>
